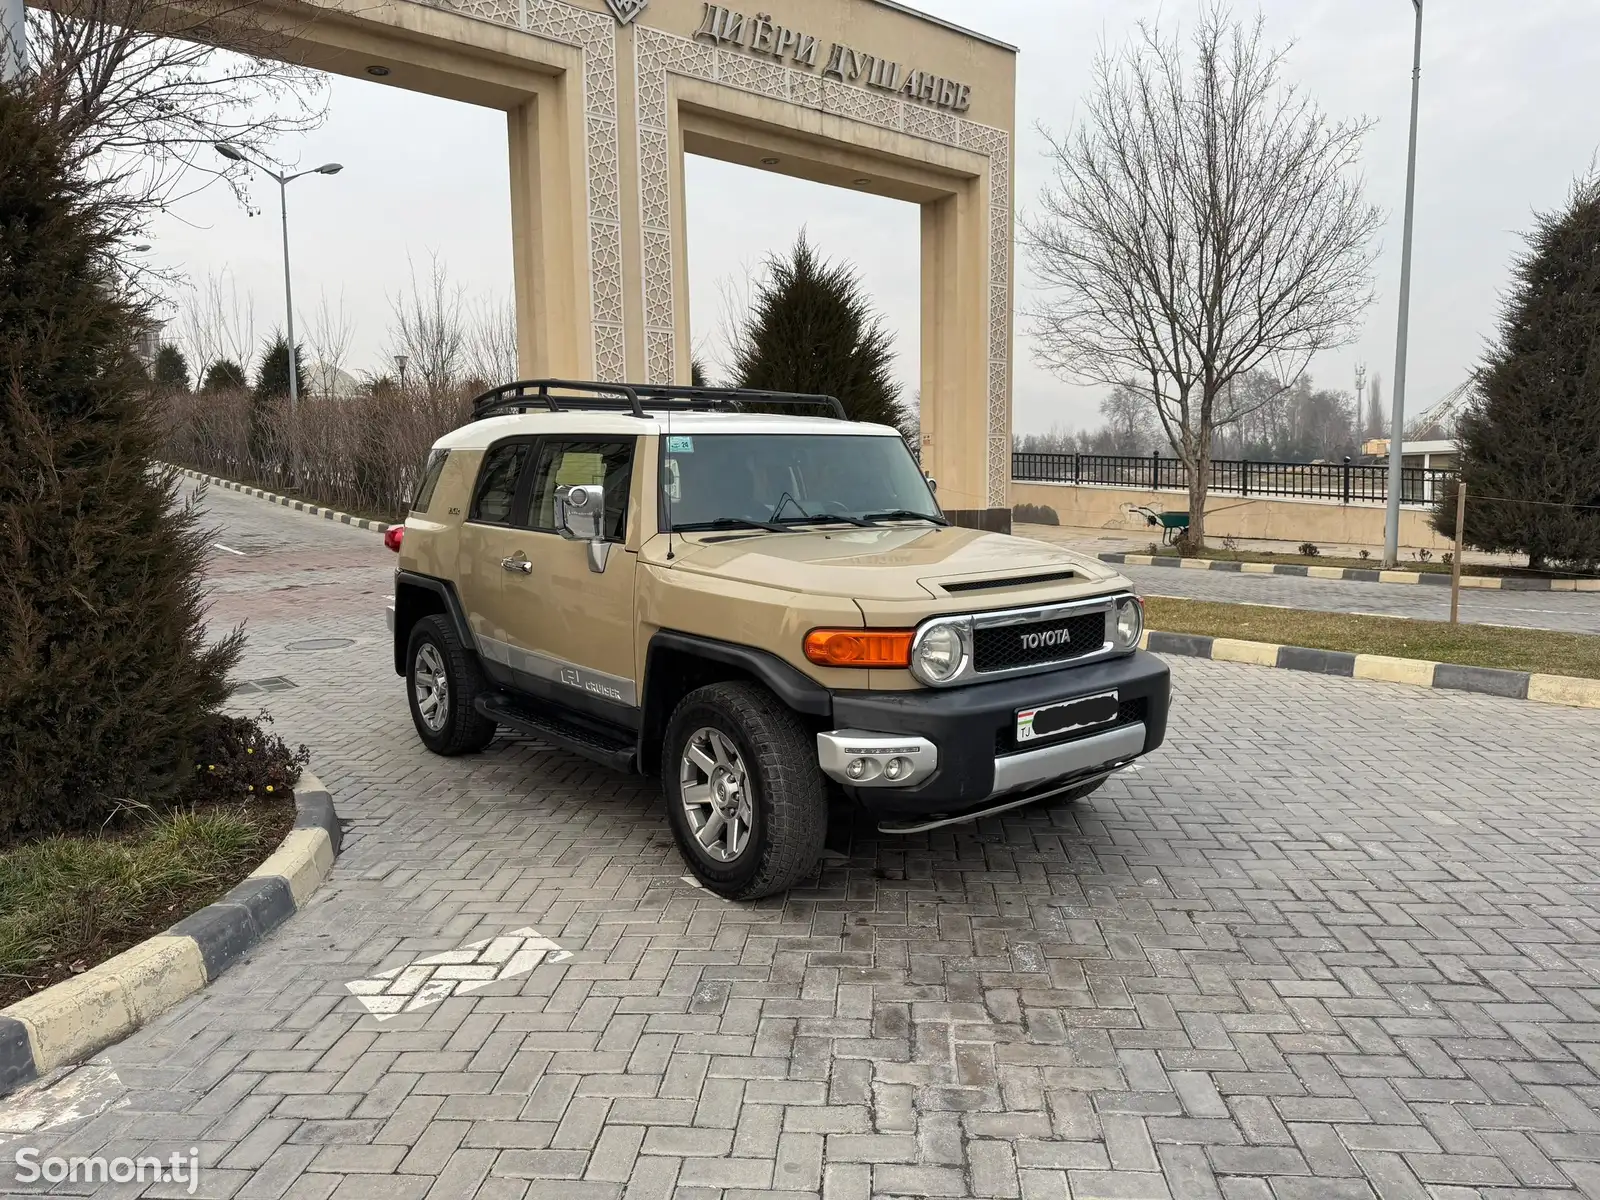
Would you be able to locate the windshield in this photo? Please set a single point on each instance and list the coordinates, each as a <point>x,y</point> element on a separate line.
<point>774,479</point>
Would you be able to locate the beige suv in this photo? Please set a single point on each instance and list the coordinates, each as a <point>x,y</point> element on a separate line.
<point>760,606</point>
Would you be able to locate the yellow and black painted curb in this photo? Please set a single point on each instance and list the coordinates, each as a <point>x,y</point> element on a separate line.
<point>315,510</point>
<point>1493,583</point>
<point>76,1017</point>
<point>1517,685</point>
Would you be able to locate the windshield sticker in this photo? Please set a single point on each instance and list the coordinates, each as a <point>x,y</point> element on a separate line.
<point>680,445</point>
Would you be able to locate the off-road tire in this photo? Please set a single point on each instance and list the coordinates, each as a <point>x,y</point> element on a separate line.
<point>1077,794</point>
<point>465,730</point>
<point>790,809</point>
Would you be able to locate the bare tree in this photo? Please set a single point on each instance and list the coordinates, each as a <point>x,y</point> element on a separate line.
<point>429,328</point>
<point>143,89</point>
<point>217,322</point>
<point>491,353</point>
<point>1205,219</point>
<point>330,332</point>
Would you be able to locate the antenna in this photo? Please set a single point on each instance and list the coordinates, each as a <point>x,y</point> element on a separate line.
<point>666,488</point>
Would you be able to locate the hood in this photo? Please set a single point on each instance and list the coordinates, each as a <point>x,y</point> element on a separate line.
<point>897,562</point>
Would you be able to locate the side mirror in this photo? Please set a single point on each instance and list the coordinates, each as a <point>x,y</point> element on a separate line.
<point>580,516</point>
<point>580,512</point>
<point>933,484</point>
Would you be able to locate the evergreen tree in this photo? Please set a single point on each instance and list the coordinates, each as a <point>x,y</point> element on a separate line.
<point>812,329</point>
<point>697,373</point>
<point>170,372</point>
<point>272,387</point>
<point>272,376</point>
<point>1377,419</point>
<point>1530,446</point>
<point>224,375</point>
<point>106,677</point>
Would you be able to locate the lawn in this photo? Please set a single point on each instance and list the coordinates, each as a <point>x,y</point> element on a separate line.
<point>1537,650</point>
<point>68,903</point>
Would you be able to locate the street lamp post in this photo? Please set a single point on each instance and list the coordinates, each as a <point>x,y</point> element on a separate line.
<point>1397,424</point>
<point>236,155</point>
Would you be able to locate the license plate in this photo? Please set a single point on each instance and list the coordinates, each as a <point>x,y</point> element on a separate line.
<point>1053,720</point>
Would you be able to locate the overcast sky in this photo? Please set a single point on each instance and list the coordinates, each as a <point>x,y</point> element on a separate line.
<point>1510,113</point>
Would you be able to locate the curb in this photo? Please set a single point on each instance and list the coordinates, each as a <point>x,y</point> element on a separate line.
<point>72,1019</point>
<point>1489,681</point>
<point>329,514</point>
<point>1493,583</point>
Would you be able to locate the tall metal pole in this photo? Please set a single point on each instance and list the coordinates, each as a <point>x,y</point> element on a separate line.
<point>1397,425</point>
<point>294,373</point>
<point>13,39</point>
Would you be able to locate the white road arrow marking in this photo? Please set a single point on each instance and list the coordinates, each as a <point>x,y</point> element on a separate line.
<point>427,981</point>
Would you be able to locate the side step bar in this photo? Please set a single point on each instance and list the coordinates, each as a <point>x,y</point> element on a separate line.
<point>1005,804</point>
<point>618,753</point>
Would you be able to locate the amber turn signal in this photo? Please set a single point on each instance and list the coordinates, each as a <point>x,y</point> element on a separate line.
<point>859,647</point>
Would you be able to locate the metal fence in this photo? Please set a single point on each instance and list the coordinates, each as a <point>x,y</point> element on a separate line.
<point>1344,482</point>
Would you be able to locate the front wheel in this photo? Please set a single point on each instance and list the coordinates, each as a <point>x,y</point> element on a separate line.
<point>744,794</point>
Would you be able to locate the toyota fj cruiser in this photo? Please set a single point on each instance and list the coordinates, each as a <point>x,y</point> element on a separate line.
<point>707,585</point>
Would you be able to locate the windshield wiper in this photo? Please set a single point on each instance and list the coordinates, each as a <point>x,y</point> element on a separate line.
<point>905,514</point>
<point>831,519</point>
<point>729,523</point>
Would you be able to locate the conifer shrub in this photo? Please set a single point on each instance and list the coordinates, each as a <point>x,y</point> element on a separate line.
<point>107,677</point>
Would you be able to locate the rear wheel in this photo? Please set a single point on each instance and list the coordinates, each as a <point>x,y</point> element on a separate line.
<point>744,794</point>
<point>444,682</point>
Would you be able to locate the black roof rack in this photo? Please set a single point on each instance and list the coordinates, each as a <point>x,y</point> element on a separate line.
<point>637,399</point>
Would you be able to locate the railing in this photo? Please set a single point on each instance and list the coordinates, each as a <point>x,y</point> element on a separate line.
<point>1344,482</point>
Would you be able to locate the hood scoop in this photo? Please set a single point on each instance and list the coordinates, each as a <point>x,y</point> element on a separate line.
<point>1016,581</point>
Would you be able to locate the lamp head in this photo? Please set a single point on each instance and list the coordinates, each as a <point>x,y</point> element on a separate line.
<point>229,152</point>
<point>330,168</point>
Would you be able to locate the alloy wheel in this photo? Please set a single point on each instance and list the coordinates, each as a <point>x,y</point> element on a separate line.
<point>432,687</point>
<point>715,787</point>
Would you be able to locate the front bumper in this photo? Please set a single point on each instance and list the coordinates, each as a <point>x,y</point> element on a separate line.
<point>973,732</point>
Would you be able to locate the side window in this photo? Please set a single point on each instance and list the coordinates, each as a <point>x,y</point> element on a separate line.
<point>430,481</point>
<point>569,463</point>
<point>496,496</point>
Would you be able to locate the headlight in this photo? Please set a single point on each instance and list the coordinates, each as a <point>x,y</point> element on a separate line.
<point>1130,623</point>
<point>939,655</point>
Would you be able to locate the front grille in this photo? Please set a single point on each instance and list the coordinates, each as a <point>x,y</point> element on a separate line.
<point>1005,648</point>
<point>1129,712</point>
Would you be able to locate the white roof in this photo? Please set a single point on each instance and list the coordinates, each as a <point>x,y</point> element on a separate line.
<point>479,434</point>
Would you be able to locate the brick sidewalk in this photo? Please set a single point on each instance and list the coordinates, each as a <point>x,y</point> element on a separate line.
<point>1338,939</point>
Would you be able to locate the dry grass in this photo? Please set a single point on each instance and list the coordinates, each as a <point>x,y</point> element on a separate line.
<point>1434,566</point>
<point>67,903</point>
<point>1538,650</point>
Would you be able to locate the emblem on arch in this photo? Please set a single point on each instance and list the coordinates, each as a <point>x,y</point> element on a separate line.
<point>626,10</point>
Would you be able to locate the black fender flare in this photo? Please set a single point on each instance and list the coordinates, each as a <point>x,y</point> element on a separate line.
<point>446,593</point>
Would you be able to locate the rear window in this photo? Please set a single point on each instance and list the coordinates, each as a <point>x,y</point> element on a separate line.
<point>430,481</point>
<point>497,484</point>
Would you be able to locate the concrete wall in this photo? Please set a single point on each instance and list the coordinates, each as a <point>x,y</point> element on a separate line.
<point>1295,521</point>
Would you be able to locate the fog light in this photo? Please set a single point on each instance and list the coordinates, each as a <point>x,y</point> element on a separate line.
<point>857,768</point>
<point>897,768</point>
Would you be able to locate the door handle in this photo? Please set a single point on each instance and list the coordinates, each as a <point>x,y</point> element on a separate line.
<point>517,564</point>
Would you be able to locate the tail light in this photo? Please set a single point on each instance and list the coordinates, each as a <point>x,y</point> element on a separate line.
<point>393,536</point>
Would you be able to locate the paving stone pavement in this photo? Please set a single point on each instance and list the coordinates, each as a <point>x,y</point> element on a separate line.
<point>1337,939</point>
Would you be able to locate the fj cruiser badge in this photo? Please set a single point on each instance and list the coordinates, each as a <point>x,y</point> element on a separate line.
<point>626,10</point>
